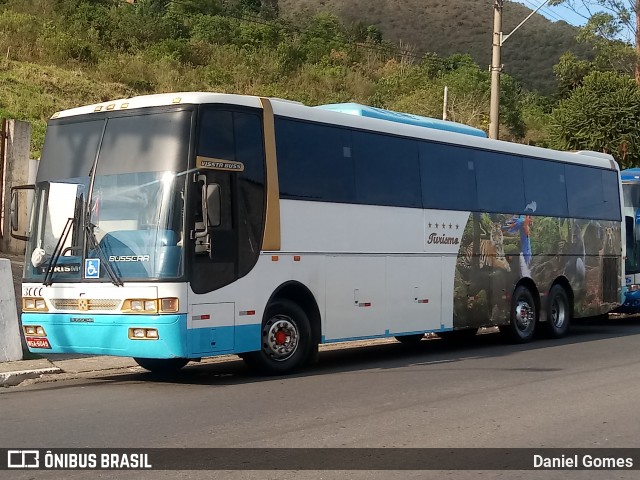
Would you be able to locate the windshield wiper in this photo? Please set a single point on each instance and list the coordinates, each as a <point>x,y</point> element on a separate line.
<point>94,245</point>
<point>88,227</point>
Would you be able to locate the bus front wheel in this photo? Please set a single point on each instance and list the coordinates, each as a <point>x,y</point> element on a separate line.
<point>285,339</point>
<point>162,365</point>
<point>522,322</point>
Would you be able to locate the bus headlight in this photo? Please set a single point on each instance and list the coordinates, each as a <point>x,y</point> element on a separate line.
<point>140,305</point>
<point>34,304</point>
<point>34,330</point>
<point>143,334</point>
<point>143,305</point>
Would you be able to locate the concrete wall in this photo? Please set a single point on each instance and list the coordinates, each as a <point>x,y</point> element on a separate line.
<point>10,341</point>
<point>16,172</point>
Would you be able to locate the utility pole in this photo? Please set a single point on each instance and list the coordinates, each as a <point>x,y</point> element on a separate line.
<point>445,103</point>
<point>496,66</point>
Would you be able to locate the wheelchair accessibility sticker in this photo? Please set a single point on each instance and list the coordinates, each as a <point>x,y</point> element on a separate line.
<point>92,268</point>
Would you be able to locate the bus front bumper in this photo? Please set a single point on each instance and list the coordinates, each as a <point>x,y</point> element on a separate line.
<point>147,336</point>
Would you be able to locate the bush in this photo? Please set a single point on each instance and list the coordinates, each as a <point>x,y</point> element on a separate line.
<point>63,47</point>
<point>19,35</point>
<point>214,29</point>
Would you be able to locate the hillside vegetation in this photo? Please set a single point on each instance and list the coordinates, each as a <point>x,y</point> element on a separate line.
<point>446,27</point>
<point>61,53</point>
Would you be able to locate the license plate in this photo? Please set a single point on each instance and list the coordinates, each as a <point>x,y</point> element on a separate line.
<point>34,342</point>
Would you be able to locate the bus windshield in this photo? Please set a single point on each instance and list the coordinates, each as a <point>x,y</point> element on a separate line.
<point>132,225</point>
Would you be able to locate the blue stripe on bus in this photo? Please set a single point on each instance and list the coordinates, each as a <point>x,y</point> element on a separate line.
<point>223,340</point>
<point>109,335</point>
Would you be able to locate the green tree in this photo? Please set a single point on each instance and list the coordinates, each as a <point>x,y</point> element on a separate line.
<point>607,22</point>
<point>419,89</point>
<point>195,7</point>
<point>570,71</point>
<point>603,114</point>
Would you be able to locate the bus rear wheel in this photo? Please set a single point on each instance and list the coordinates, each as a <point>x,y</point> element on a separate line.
<point>558,313</point>
<point>285,339</point>
<point>523,317</point>
<point>162,365</point>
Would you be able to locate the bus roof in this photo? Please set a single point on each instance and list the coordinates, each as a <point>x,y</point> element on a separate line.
<point>406,118</point>
<point>630,175</point>
<point>384,121</point>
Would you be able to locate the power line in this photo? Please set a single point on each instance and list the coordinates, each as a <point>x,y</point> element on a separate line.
<point>554,15</point>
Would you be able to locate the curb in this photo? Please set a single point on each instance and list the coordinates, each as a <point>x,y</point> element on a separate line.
<point>11,379</point>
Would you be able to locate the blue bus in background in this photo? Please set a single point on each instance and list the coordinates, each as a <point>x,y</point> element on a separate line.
<point>631,211</point>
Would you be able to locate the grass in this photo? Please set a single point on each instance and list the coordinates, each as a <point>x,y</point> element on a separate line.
<point>35,92</point>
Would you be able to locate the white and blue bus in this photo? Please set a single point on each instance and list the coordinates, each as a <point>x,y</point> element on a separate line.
<point>631,190</point>
<point>179,226</point>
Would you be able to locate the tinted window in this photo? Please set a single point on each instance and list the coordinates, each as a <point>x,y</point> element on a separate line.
<point>69,149</point>
<point>216,134</point>
<point>585,195</point>
<point>545,188</point>
<point>448,177</point>
<point>387,170</point>
<point>314,161</point>
<point>499,182</point>
<point>251,191</point>
<point>611,195</point>
<point>631,193</point>
<point>154,142</point>
<point>235,136</point>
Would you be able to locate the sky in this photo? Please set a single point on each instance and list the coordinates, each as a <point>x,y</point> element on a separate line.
<point>555,13</point>
<point>559,13</point>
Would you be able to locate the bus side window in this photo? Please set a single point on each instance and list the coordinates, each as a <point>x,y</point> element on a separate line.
<point>631,244</point>
<point>230,156</point>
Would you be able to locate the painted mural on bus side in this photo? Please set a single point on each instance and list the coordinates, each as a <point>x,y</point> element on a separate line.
<point>497,250</point>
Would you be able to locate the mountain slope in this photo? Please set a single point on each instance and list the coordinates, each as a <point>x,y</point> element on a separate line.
<point>446,27</point>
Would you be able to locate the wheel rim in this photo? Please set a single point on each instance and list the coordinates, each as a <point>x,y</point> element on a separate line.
<point>558,313</point>
<point>281,338</point>
<point>525,316</point>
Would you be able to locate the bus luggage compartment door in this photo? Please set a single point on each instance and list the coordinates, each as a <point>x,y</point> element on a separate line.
<point>211,328</point>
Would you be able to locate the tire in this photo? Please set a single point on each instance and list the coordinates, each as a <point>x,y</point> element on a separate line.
<point>162,365</point>
<point>286,340</point>
<point>523,317</point>
<point>558,313</point>
<point>464,335</point>
<point>413,339</point>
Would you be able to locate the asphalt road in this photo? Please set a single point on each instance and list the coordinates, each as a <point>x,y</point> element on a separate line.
<point>579,392</point>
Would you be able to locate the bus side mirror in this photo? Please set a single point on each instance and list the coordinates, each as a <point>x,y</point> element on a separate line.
<point>213,204</point>
<point>14,215</point>
<point>211,213</point>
